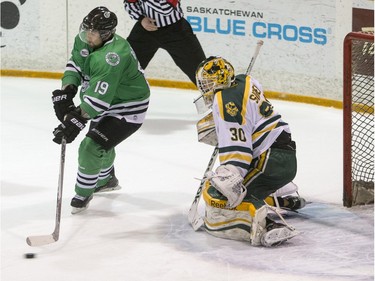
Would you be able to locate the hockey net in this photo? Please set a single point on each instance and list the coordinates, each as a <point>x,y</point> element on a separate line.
<point>358,119</point>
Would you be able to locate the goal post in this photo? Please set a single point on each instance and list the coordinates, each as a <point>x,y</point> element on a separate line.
<point>358,119</point>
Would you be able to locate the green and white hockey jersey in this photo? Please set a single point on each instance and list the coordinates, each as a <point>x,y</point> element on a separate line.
<point>111,79</point>
<point>246,123</point>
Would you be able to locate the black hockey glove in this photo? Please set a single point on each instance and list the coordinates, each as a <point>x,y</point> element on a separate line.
<point>70,127</point>
<point>63,101</point>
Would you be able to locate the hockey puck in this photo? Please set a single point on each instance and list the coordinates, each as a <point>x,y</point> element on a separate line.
<point>30,256</point>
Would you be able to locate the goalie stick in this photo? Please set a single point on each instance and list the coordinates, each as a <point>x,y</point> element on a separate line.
<point>40,240</point>
<point>194,218</point>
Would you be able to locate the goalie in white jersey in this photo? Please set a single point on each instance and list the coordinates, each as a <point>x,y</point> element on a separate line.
<point>257,158</point>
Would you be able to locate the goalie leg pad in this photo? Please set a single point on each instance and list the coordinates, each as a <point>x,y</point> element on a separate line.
<point>258,227</point>
<point>245,222</point>
<point>228,224</point>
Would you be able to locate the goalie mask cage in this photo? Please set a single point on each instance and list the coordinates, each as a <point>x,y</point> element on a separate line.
<point>358,119</point>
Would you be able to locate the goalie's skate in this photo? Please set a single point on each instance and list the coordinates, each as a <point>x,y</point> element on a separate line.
<point>276,234</point>
<point>294,203</point>
<point>80,203</point>
<point>112,184</point>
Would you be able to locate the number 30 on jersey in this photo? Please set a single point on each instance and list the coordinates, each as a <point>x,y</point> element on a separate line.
<point>238,134</point>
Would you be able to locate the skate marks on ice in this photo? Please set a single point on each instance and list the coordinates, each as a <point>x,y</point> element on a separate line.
<point>336,243</point>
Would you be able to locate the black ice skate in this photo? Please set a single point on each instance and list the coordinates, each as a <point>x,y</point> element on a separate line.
<point>276,233</point>
<point>111,185</point>
<point>292,203</point>
<point>80,203</point>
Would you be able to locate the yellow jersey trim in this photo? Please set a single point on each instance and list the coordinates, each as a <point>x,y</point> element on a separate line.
<point>245,99</point>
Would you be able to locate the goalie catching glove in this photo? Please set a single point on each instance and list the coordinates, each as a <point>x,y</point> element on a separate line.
<point>228,181</point>
<point>63,101</point>
<point>70,127</point>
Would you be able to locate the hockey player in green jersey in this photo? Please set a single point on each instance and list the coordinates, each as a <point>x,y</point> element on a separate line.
<point>114,95</point>
<point>257,158</point>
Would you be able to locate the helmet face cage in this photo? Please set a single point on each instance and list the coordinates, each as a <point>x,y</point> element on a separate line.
<point>213,74</point>
<point>99,20</point>
<point>84,33</point>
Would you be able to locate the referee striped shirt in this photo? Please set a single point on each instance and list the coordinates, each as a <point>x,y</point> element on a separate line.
<point>161,11</point>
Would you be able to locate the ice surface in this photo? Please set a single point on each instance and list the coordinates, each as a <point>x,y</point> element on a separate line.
<point>141,232</point>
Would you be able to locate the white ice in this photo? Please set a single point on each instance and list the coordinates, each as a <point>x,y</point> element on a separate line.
<point>141,232</point>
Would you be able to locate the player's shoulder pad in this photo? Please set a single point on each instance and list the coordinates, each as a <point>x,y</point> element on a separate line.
<point>231,102</point>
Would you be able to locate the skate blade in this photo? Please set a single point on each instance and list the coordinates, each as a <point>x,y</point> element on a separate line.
<point>78,210</point>
<point>117,187</point>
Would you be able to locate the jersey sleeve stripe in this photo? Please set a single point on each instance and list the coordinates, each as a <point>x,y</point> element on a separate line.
<point>245,100</point>
<point>234,156</point>
<point>255,136</point>
<point>219,96</point>
<point>244,166</point>
<point>266,123</point>
<point>235,149</point>
<point>260,140</point>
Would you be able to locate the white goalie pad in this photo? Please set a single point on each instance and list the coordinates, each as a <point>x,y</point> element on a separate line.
<point>258,227</point>
<point>244,223</point>
<point>206,130</point>
<point>228,224</point>
<point>200,105</point>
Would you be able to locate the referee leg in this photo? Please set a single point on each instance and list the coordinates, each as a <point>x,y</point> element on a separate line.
<point>143,43</point>
<point>184,47</point>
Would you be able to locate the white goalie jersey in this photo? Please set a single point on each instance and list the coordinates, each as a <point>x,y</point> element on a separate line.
<point>246,123</point>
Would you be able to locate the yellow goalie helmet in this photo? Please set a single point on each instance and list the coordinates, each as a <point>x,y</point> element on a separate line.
<point>212,74</point>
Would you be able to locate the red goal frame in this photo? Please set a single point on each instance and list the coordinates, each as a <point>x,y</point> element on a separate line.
<point>347,112</point>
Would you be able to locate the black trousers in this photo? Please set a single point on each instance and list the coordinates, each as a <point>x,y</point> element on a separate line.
<point>110,131</point>
<point>177,39</point>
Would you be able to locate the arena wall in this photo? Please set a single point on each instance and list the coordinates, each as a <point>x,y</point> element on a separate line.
<point>302,53</point>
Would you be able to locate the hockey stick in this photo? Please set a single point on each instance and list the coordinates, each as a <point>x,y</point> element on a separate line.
<point>255,55</point>
<point>40,240</point>
<point>194,218</point>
